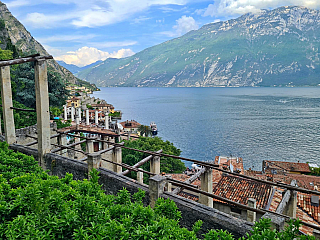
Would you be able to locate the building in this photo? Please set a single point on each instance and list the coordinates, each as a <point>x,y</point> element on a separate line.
<point>73,102</point>
<point>280,167</point>
<point>103,107</point>
<point>130,126</point>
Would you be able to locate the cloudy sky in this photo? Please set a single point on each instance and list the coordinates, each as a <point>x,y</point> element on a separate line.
<point>81,32</point>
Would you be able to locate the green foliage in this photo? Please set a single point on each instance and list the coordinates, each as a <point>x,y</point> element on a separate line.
<point>2,24</point>
<point>168,165</point>
<point>56,111</point>
<point>315,171</point>
<point>61,124</point>
<point>115,114</point>
<point>22,78</point>
<point>89,107</point>
<point>34,205</point>
<point>145,130</point>
<point>5,54</point>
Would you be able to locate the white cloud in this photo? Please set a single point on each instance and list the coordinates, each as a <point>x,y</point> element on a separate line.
<point>93,13</point>
<point>113,44</point>
<point>140,19</point>
<point>18,3</point>
<point>87,55</point>
<point>224,8</point>
<point>65,38</point>
<point>184,24</point>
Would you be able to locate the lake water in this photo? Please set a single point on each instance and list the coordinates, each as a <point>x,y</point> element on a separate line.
<point>253,123</point>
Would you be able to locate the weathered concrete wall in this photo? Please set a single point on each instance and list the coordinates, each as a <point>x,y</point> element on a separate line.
<point>111,183</point>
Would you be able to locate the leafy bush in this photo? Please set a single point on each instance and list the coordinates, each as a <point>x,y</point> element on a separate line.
<point>61,124</point>
<point>34,205</point>
<point>168,165</point>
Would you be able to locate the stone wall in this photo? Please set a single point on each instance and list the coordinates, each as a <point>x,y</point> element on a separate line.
<point>111,183</point>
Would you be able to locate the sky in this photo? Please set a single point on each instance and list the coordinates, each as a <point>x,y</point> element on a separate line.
<point>81,32</point>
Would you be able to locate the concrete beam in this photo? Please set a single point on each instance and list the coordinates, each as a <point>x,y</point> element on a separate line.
<point>96,117</point>
<point>90,148</point>
<point>42,107</point>
<point>140,176</point>
<point>117,157</point>
<point>72,114</point>
<point>87,117</point>
<point>6,94</point>
<point>65,112</point>
<point>62,141</point>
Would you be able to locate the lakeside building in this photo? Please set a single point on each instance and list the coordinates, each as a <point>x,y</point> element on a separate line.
<point>130,126</point>
<point>103,107</point>
<point>73,102</point>
<point>241,190</point>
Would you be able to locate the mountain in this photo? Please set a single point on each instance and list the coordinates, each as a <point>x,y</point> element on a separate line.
<point>74,68</point>
<point>12,32</point>
<point>277,47</point>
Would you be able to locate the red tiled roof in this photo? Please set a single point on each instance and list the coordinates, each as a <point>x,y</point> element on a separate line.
<point>130,124</point>
<point>304,202</point>
<point>239,190</point>
<point>288,166</point>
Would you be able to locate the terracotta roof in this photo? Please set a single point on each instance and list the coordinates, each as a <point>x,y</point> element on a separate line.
<point>74,99</point>
<point>304,202</point>
<point>130,124</point>
<point>239,190</point>
<point>302,215</point>
<point>287,166</point>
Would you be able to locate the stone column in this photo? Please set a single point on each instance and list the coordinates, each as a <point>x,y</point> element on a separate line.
<point>77,155</point>
<point>90,148</point>
<point>292,205</point>
<point>117,157</point>
<point>206,185</point>
<point>72,114</point>
<point>155,165</point>
<point>87,117</point>
<point>6,95</point>
<point>93,161</point>
<point>79,114</point>
<point>251,216</point>
<point>96,117</point>
<point>168,185</point>
<point>42,106</point>
<point>106,120</point>
<point>77,122</point>
<point>62,140</point>
<point>140,176</point>
<point>156,186</point>
<point>107,155</point>
<point>65,112</point>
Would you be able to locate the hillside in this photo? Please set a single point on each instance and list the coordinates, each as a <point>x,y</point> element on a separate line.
<point>273,48</point>
<point>75,69</point>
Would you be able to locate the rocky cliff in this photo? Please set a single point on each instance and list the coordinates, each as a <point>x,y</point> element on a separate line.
<point>273,48</point>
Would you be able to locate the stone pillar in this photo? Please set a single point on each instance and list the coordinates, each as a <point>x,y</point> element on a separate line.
<point>93,161</point>
<point>6,95</point>
<point>90,148</point>
<point>42,106</point>
<point>155,165</point>
<point>168,185</point>
<point>107,155</point>
<point>87,117</point>
<point>117,157</point>
<point>292,205</point>
<point>79,114</point>
<point>156,186</point>
<point>72,114</point>
<point>77,155</point>
<point>96,120</point>
<point>206,185</point>
<point>62,140</point>
<point>251,216</point>
<point>106,120</point>
<point>65,112</point>
<point>140,176</point>
<point>77,122</point>
<point>128,136</point>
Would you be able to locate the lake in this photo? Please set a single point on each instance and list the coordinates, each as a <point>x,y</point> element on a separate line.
<point>253,123</point>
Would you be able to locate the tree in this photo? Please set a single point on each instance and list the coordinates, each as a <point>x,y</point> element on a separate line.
<point>144,130</point>
<point>168,165</point>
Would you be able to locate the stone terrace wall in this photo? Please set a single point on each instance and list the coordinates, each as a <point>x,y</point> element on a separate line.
<point>112,183</point>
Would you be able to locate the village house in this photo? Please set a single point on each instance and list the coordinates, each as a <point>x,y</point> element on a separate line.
<point>73,102</point>
<point>103,107</point>
<point>281,167</point>
<point>130,126</point>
